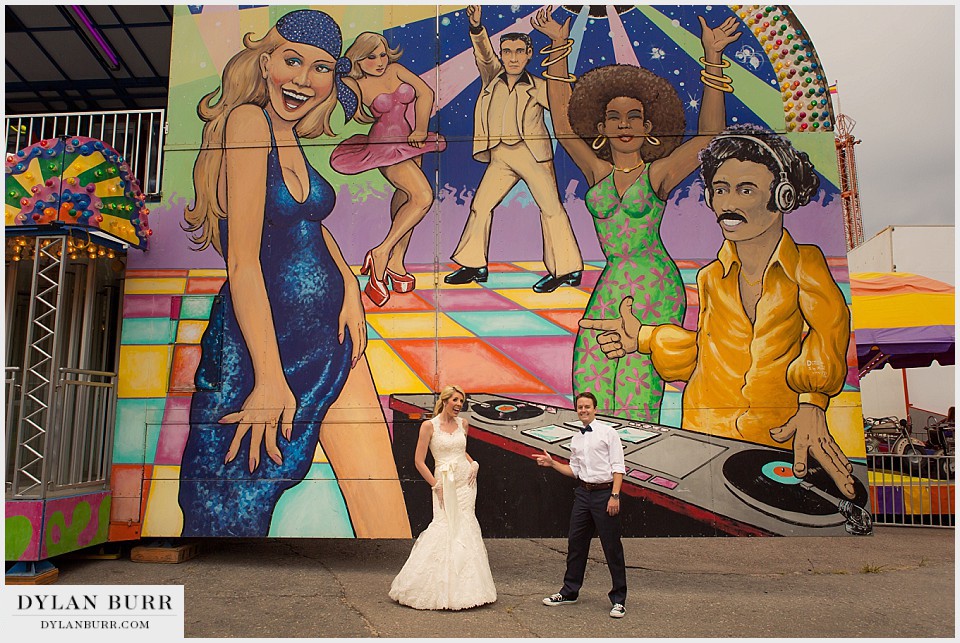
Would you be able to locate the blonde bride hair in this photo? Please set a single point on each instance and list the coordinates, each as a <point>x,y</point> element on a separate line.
<point>445,395</point>
<point>242,84</point>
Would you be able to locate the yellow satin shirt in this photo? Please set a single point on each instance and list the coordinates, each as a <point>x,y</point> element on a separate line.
<point>744,379</point>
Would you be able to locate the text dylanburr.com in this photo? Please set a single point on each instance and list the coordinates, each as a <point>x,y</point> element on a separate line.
<point>94,612</point>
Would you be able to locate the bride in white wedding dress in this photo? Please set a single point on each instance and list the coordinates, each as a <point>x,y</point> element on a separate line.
<point>447,568</point>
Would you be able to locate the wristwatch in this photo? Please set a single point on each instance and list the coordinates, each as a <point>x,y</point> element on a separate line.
<point>615,496</point>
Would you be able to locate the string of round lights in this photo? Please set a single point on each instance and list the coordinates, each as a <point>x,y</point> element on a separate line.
<point>806,93</point>
<point>76,180</point>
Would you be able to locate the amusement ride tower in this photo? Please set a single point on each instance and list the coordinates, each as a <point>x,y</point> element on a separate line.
<point>849,188</point>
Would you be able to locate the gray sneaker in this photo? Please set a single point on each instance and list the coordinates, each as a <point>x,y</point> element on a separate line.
<point>618,611</point>
<point>559,599</point>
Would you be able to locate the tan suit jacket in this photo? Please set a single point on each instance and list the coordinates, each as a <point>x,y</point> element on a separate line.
<point>531,103</point>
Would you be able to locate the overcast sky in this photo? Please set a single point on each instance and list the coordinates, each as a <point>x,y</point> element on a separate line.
<point>895,70</point>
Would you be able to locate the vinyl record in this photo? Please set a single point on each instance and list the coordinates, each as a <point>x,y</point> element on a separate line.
<point>764,480</point>
<point>505,410</point>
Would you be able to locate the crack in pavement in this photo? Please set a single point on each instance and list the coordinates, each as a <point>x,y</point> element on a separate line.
<point>592,559</point>
<point>546,546</point>
<point>519,623</point>
<point>367,623</point>
<point>812,571</point>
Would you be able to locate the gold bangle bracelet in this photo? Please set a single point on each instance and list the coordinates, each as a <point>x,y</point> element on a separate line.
<point>569,79</point>
<point>549,50</point>
<point>547,63</point>
<point>562,52</point>
<point>709,83</point>
<point>566,49</point>
<point>722,78</point>
<point>723,64</point>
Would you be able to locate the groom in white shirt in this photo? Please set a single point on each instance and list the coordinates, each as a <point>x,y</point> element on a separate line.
<point>596,461</point>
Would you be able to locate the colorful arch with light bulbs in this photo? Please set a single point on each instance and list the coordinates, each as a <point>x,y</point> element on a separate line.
<point>75,181</point>
<point>803,85</point>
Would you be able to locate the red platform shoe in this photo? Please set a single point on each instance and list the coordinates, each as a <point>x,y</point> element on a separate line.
<point>375,289</point>
<point>401,283</point>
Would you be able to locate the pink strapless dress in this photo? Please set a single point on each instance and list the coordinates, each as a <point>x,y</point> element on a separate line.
<point>386,144</point>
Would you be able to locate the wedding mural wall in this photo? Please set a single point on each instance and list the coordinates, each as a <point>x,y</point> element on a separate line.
<point>364,204</point>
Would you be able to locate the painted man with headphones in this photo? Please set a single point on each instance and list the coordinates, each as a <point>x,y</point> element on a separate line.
<point>770,348</point>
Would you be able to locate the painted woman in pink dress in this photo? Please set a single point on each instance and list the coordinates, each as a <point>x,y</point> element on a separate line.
<point>388,91</point>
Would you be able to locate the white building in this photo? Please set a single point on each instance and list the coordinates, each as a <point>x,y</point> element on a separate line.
<point>926,250</point>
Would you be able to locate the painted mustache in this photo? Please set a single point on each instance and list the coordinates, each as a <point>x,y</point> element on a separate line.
<point>731,216</point>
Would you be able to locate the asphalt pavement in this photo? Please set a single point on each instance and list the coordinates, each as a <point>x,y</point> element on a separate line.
<point>897,583</point>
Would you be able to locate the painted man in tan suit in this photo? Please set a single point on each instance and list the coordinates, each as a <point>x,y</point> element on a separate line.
<point>511,136</point>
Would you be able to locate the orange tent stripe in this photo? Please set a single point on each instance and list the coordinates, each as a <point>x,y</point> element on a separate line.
<point>894,283</point>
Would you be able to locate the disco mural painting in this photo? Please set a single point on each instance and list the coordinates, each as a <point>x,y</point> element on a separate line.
<point>365,204</point>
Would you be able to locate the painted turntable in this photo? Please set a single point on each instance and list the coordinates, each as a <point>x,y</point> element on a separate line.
<point>764,480</point>
<point>732,487</point>
<point>505,410</point>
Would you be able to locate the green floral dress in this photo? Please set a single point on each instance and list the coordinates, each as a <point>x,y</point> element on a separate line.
<point>637,266</point>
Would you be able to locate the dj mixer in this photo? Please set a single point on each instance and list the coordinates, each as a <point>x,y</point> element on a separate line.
<point>677,482</point>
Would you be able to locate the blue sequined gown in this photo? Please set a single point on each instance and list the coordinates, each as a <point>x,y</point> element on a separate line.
<point>305,289</point>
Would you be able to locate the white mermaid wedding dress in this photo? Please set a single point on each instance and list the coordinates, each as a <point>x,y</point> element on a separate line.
<point>448,567</point>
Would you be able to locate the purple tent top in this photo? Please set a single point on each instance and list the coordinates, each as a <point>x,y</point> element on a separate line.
<point>906,347</point>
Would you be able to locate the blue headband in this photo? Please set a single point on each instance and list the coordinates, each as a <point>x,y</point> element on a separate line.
<point>317,29</point>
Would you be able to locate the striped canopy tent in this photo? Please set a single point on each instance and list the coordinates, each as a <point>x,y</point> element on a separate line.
<point>901,319</point>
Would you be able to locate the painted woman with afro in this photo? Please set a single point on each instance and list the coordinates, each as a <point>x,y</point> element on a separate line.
<point>623,127</point>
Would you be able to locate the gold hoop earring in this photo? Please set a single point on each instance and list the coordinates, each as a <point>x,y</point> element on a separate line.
<point>653,140</point>
<point>599,142</point>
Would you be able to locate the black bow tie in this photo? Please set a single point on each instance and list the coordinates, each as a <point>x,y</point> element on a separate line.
<point>584,429</point>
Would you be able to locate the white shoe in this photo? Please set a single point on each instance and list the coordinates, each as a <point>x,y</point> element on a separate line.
<point>618,611</point>
<point>558,599</point>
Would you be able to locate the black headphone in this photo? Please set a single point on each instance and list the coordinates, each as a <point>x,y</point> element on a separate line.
<point>784,194</point>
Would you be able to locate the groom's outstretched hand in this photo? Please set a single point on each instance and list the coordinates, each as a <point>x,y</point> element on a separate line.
<point>544,460</point>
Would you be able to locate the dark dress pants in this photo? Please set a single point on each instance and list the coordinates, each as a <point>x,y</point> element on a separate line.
<point>589,514</point>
